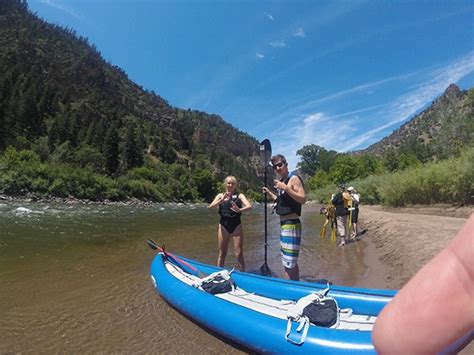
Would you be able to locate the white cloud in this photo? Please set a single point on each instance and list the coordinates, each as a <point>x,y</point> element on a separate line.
<point>299,33</point>
<point>353,90</point>
<point>277,44</point>
<point>269,16</point>
<point>408,105</point>
<point>310,119</point>
<point>59,6</point>
<point>259,56</point>
<point>347,131</point>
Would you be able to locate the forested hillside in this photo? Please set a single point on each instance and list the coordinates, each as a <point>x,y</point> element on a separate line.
<point>62,102</point>
<point>439,132</point>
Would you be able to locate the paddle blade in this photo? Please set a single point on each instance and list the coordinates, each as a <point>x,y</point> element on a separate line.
<point>152,244</point>
<point>323,233</point>
<point>265,150</point>
<point>265,270</point>
<point>362,233</point>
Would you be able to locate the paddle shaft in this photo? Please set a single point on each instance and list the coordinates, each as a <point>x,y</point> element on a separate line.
<point>265,212</point>
<point>155,246</point>
<point>265,156</point>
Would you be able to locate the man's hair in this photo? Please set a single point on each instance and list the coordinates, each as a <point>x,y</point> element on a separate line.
<point>277,158</point>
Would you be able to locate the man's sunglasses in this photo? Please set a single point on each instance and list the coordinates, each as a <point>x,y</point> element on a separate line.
<point>277,165</point>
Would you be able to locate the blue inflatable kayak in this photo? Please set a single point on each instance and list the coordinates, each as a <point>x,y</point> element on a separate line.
<point>264,314</point>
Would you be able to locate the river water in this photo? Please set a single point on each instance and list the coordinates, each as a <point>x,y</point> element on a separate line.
<point>74,278</point>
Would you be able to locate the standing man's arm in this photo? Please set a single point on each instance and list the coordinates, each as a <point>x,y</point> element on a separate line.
<point>270,193</point>
<point>295,189</point>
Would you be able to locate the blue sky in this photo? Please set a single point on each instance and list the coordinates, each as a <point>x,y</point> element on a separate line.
<point>340,74</point>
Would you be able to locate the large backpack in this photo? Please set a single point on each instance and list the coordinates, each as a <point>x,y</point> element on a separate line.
<point>315,308</point>
<point>346,196</point>
<point>217,282</point>
<point>323,312</point>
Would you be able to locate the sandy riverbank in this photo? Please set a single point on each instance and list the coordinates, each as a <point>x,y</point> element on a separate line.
<point>405,239</point>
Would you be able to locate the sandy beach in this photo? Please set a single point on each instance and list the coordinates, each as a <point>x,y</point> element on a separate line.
<point>405,239</point>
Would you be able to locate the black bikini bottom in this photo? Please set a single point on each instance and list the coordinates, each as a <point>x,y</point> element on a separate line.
<point>230,223</point>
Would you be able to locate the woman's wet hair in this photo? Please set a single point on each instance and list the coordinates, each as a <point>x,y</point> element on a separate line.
<point>232,179</point>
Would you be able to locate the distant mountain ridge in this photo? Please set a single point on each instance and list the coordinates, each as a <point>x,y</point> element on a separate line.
<point>55,85</point>
<point>440,130</point>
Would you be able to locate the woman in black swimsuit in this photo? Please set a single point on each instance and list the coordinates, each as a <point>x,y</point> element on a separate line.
<point>231,205</point>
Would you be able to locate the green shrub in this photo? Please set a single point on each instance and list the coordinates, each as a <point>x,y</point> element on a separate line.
<point>154,175</point>
<point>59,188</point>
<point>448,181</point>
<point>90,158</point>
<point>323,194</point>
<point>253,195</point>
<point>368,188</point>
<point>142,190</point>
<point>207,184</point>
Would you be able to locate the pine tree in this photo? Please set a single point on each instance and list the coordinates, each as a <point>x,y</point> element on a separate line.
<point>28,121</point>
<point>57,133</point>
<point>111,151</point>
<point>72,129</point>
<point>141,142</point>
<point>133,155</point>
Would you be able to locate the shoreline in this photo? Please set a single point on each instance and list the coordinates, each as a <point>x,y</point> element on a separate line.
<point>77,201</point>
<point>438,209</point>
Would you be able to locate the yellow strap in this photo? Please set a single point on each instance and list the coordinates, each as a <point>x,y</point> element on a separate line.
<point>350,222</point>
<point>323,232</point>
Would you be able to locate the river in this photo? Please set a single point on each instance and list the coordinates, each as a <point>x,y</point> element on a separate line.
<point>74,278</point>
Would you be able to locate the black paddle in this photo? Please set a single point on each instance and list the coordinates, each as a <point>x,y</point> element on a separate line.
<point>357,237</point>
<point>362,233</point>
<point>151,243</point>
<point>265,149</point>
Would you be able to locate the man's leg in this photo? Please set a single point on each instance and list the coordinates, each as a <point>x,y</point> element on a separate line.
<point>290,240</point>
<point>341,229</point>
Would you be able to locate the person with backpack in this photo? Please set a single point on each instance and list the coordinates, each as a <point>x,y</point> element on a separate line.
<point>342,200</point>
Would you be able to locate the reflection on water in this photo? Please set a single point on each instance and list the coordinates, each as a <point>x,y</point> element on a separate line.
<point>74,278</point>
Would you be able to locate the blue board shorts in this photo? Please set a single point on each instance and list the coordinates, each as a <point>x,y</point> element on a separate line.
<point>290,240</point>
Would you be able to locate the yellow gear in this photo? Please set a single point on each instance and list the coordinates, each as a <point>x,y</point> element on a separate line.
<point>330,218</point>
